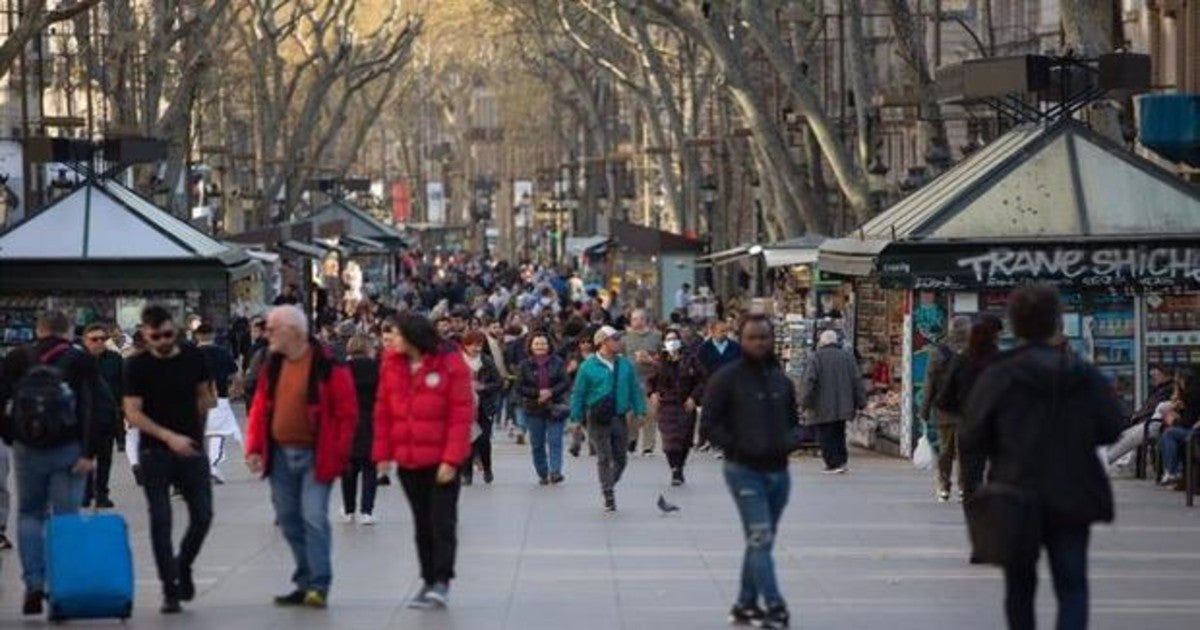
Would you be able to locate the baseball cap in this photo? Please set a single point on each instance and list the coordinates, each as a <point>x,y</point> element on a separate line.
<point>604,333</point>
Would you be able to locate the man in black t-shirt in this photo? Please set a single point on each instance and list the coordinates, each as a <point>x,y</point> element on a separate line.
<point>168,392</point>
<point>222,424</point>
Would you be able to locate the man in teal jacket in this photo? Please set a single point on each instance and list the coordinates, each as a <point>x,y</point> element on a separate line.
<point>606,414</point>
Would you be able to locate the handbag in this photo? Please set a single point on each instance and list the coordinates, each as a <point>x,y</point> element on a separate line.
<point>1005,520</point>
<point>604,411</point>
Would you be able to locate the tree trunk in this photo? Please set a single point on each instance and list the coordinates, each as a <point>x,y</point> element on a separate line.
<point>851,179</point>
<point>858,62</point>
<point>803,212</point>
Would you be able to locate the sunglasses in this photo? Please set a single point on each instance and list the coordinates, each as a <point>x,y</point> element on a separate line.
<point>97,339</point>
<point>166,335</point>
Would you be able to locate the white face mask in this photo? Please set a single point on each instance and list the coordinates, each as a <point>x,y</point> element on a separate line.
<point>673,345</point>
<point>546,301</point>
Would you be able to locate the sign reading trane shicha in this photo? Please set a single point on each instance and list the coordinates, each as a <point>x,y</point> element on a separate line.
<point>1082,266</point>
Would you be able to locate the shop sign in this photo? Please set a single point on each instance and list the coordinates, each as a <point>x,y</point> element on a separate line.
<point>1082,266</point>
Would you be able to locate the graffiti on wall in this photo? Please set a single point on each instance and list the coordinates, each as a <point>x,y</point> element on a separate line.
<point>1162,266</point>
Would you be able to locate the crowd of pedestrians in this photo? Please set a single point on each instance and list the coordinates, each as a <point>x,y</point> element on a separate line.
<point>417,384</point>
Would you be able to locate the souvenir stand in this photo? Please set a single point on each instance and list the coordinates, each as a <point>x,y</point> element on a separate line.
<point>101,253</point>
<point>1054,203</point>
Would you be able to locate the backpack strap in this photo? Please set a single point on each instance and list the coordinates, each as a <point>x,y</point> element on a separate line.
<point>52,355</point>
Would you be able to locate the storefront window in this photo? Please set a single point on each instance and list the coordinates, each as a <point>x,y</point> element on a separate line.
<point>1173,330</point>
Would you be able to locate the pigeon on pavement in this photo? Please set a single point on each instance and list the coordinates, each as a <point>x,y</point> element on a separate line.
<point>664,507</point>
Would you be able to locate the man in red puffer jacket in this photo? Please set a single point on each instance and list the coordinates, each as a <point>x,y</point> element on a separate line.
<point>299,434</point>
<point>423,416</point>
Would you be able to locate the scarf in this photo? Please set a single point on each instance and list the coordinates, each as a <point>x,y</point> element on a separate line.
<point>543,371</point>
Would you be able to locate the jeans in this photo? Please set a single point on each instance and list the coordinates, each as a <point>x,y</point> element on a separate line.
<point>1067,549</point>
<point>162,469</point>
<point>520,418</point>
<point>1172,445</point>
<point>832,437</point>
<point>5,495</point>
<point>435,519</point>
<point>359,468</point>
<point>760,498</point>
<point>45,484</point>
<point>543,433</point>
<point>302,508</point>
<point>612,451</point>
<point>481,447</point>
<point>947,452</point>
<point>96,487</point>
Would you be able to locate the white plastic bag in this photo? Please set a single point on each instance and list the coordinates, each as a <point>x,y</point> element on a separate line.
<point>923,456</point>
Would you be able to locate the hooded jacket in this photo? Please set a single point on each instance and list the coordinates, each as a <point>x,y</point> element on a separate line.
<point>750,413</point>
<point>332,412</point>
<point>1037,415</point>
<point>423,417</point>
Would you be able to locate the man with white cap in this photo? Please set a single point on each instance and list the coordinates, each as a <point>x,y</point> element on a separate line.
<point>833,393</point>
<point>606,395</point>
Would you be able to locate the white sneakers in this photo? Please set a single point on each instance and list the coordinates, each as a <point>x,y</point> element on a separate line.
<point>361,519</point>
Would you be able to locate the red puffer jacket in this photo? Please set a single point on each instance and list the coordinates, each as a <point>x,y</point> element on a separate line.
<point>332,409</point>
<point>423,418</point>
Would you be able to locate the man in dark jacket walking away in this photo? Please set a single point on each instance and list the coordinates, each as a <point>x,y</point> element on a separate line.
<point>1037,415</point>
<point>750,413</point>
<point>945,421</point>
<point>50,466</point>
<point>833,393</point>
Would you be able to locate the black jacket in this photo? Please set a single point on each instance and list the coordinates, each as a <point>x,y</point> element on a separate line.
<point>527,386</point>
<point>490,386</point>
<point>957,382</point>
<point>81,377</point>
<point>1161,394</point>
<point>750,412</point>
<point>365,371</point>
<point>1037,415</point>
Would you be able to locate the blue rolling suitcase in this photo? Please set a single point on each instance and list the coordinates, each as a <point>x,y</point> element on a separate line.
<point>89,567</point>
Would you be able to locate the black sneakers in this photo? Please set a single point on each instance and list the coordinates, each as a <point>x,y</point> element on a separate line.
<point>187,587</point>
<point>776,617</point>
<point>33,603</point>
<point>676,476</point>
<point>745,615</point>
<point>557,478</point>
<point>610,502</point>
<point>295,598</point>
<point>170,606</point>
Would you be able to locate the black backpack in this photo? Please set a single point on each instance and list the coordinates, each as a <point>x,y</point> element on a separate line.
<point>43,405</point>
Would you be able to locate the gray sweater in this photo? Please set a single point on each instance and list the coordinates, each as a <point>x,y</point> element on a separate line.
<point>833,387</point>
